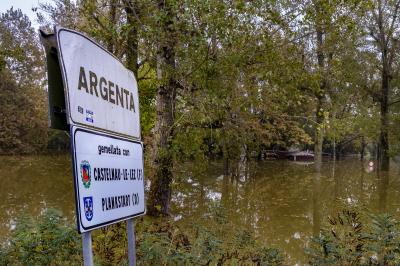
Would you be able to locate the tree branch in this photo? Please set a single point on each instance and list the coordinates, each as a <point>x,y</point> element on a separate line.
<point>344,142</point>
<point>395,13</point>
<point>394,102</point>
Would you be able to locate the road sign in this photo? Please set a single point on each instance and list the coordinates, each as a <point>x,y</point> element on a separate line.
<point>108,173</point>
<point>100,92</point>
<point>93,95</point>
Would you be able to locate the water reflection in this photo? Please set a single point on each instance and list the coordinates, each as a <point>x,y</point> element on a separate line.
<point>383,182</point>
<point>316,203</point>
<point>284,202</point>
<point>29,185</point>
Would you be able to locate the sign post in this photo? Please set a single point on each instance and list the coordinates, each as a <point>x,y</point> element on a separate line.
<point>130,226</point>
<point>95,97</point>
<point>87,249</point>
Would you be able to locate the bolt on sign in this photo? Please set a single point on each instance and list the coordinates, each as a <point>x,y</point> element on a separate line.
<point>95,98</point>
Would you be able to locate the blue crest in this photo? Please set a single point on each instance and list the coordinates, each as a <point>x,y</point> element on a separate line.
<point>88,206</point>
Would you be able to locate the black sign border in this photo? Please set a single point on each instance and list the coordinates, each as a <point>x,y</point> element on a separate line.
<point>73,130</point>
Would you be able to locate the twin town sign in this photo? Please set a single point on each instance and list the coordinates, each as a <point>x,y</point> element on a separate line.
<point>108,174</point>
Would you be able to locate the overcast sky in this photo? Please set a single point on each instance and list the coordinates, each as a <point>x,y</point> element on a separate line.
<point>24,5</point>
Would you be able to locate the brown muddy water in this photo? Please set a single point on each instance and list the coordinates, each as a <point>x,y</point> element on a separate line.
<point>282,202</point>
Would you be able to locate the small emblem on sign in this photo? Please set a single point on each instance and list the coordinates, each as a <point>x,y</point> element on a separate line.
<point>88,205</point>
<point>89,116</point>
<point>85,173</point>
<point>80,109</point>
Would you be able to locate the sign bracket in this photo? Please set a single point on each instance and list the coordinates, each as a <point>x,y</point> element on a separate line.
<point>56,94</point>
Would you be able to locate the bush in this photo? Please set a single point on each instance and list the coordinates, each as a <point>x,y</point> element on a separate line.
<point>357,238</point>
<point>49,241</point>
<point>169,246</point>
<point>162,242</point>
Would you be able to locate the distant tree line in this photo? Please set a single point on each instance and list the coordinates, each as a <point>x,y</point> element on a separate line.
<point>23,100</point>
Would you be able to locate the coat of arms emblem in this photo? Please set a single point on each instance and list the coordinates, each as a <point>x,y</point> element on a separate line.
<point>85,173</point>
<point>88,207</point>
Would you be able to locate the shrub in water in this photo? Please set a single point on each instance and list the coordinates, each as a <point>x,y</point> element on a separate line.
<point>49,241</point>
<point>348,241</point>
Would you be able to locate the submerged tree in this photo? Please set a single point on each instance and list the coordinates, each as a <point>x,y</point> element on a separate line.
<point>382,24</point>
<point>160,190</point>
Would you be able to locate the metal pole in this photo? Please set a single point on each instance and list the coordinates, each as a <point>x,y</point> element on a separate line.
<point>131,242</point>
<point>87,249</point>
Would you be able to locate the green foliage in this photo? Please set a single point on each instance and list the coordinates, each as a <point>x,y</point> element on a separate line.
<point>244,73</point>
<point>383,240</point>
<point>48,241</point>
<point>19,46</point>
<point>204,246</point>
<point>23,117</point>
<point>110,245</point>
<point>354,238</point>
<point>58,141</point>
<point>22,120</point>
<point>227,90</point>
<point>162,242</point>
<point>341,244</point>
<point>51,241</point>
<point>147,93</point>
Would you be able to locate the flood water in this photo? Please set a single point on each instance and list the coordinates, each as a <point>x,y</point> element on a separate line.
<point>282,202</point>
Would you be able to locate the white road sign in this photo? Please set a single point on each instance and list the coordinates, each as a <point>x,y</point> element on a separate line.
<point>109,179</point>
<point>100,92</point>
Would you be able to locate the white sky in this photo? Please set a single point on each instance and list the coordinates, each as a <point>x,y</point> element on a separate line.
<point>24,5</point>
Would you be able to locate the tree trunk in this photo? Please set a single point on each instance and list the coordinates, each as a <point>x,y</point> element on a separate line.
<point>318,138</point>
<point>160,189</point>
<point>362,148</point>
<point>132,39</point>
<point>387,49</point>
<point>383,153</point>
<point>226,166</point>
<point>113,18</point>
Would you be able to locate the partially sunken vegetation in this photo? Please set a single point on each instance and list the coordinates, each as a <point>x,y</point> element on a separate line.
<point>217,79</point>
<point>349,237</point>
<point>50,241</point>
